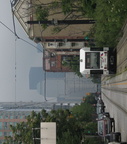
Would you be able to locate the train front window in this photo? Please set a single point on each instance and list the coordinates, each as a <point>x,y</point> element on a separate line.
<point>92,60</point>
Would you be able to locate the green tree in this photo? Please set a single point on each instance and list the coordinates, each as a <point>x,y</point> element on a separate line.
<point>109,21</point>
<point>42,14</point>
<point>90,99</point>
<point>22,132</point>
<point>73,64</point>
<point>83,112</point>
<point>110,16</point>
<point>70,124</point>
<point>68,138</point>
<point>92,140</point>
<point>96,78</point>
<point>72,9</point>
<point>90,128</point>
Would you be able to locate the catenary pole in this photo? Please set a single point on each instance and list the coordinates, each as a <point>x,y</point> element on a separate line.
<point>61,22</point>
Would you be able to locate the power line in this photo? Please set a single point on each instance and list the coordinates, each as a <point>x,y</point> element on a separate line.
<point>13,19</point>
<point>19,37</point>
<point>15,51</point>
<point>15,72</point>
<point>7,27</point>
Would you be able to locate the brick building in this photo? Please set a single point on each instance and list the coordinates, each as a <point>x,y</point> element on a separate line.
<point>8,118</point>
<point>11,114</point>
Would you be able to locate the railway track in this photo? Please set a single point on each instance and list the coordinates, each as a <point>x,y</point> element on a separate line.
<point>119,90</point>
<point>124,37</point>
<point>114,89</point>
<point>116,104</point>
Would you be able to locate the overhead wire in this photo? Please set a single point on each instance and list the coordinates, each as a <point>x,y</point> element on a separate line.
<point>15,73</point>
<point>13,22</point>
<point>16,37</point>
<point>20,37</point>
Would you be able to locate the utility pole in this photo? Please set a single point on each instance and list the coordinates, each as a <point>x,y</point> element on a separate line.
<point>65,84</point>
<point>61,22</point>
<point>34,135</point>
<point>45,81</point>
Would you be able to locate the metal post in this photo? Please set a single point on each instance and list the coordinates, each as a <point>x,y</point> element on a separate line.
<point>61,22</point>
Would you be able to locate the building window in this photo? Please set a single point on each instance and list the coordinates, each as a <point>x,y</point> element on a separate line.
<point>85,44</point>
<point>1,134</point>
<point>61,44</point>
<point>11,117</point>
<point>73,44</point>
<point>11,123</point>
<point>52,45</point>
<point>14,123</point>
<point>5,133</point>
<point>10,134</point>
<point>6,116</point>
<point>53,63</point>
<point>0,125</point>
<point>5,125</point>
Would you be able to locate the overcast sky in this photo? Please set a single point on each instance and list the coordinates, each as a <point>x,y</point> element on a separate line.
<point>22,56</point>
<point>26,56</point>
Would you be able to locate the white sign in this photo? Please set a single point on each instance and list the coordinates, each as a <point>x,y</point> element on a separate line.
<point>48,133</point>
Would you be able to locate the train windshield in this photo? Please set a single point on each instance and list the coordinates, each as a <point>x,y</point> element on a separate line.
<point>92,60</point>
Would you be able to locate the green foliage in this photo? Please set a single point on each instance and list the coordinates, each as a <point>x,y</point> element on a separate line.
<point>56,29</point>
<point>96,78</point>
<point>90,128</point>
<point>68,138</point>
<point>87,7</point>
<point>83,112</point>
<point>66,125</point>
<point>22,132</point>
<point>92,140</point>
<point>73,64</point>
<point>42,14</point>
<point>66,6</point>
<point>70,125</point>
<point>110,16</point>
<point>90,99</point>
<point>54,5</point>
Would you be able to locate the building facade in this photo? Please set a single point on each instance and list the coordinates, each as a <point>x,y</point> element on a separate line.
<point>11,114</point>
<point>56,53</point>
<point>49,10</point>
<point>60,39</point>
<point>8,118</point>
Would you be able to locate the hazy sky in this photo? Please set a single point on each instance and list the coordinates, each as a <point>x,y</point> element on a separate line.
<point>25,56</point>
